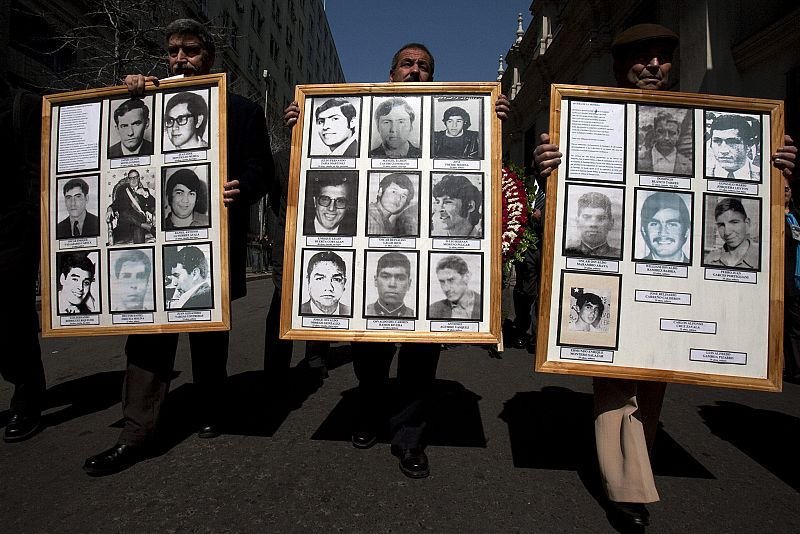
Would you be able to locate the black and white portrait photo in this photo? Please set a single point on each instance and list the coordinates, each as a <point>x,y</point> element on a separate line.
<point>186,121</point>
<point>78,286</point>
<point>130,131</point>
<point>396,126</point>
<point>589,311</point>
<point>393,204</point>
<point>331,203</point>
<point>327,282</point>
<point>456,205</point>
<point>131,213</point>
<point>132,280</point>
<point>731,231</point>
<point>391,283</point>
<point>454,286</point>
<point>663,228</point>
<point>593,221</point>
<point>664,140</point>
<point>186,197</point>
<point>335,125</point>
<point>188,277</point>
<point>457,127</point>
<point>733,146</point>
<point>77,207</point>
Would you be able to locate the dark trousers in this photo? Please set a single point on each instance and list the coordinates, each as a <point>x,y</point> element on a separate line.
<point>416,371</point>
<point>791,336</point>
<point>151,359</point>
<point>526,292</point>
<point>277,352</point>
<point>19,325</point>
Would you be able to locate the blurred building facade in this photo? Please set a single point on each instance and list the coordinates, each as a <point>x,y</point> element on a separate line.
<point>728,47</point>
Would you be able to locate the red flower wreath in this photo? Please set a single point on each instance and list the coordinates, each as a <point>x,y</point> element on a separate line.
<point>517,236</point>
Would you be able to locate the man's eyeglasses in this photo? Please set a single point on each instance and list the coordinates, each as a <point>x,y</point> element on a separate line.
<point>339,203</point>
<point>180,119</point>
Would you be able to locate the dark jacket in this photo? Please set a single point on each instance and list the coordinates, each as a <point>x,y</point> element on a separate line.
<point>250,162</point>
<point>380,152</point>
<point>91,227</point>
<point>346,227</point>
<point>20,141</point>
<point>115,151</point>
<point>467,146</point>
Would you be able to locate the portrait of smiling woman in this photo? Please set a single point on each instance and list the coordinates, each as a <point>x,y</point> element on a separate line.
<point>186,197</point>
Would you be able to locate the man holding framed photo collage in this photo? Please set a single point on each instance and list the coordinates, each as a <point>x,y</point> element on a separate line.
<point>627,411</point>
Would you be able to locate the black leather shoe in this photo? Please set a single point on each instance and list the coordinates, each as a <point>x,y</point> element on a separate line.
<point>363,439</point>
<point>414,463</point>
<point>116,459</point>
<point>209,431</point>
<point>520,341</point>
<point>21,427</point>
<point>629,516</point>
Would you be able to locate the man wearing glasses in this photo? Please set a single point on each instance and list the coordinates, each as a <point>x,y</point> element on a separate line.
<point>332,213</point>
<point>185,120</point>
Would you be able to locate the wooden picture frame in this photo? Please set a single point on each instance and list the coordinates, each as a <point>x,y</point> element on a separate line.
<point>361,195</point>
<point>135,235</point>
<point>693,305</point>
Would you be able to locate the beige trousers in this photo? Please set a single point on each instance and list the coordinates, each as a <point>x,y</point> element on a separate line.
<point>626,416</point>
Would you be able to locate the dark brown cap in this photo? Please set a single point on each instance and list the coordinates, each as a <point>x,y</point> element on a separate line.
<point>643,32</point>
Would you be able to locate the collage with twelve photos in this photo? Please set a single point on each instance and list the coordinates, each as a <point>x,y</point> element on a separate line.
<point>143,212</point>
<point>391,238</point>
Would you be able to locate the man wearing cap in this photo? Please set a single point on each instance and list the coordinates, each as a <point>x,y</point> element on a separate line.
<point>627,411</point>
<point>151,357</point>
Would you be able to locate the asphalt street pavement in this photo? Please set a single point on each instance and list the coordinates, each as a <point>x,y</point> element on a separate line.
<point>510,451</point>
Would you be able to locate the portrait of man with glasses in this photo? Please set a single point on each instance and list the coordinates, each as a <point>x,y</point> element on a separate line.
<point>185,121</point>
<point>331,204</point>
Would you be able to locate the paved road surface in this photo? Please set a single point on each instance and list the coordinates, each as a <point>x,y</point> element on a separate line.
<point>510,451</point>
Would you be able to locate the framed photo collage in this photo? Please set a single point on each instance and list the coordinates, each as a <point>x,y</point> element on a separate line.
<point>392,214</point>
<point>663,244</point>
<point>135,234</point>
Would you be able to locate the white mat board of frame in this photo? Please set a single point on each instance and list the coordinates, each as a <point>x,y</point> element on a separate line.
<point>393,214</point>
<point>663,249</point>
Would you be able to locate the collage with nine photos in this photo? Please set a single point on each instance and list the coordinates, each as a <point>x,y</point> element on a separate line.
<point>145,190</point>
<point>369,181</point>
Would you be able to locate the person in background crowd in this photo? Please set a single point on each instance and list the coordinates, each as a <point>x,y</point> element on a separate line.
<point>20,143</point>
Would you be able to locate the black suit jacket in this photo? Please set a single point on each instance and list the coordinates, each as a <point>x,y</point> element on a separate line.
<point>91,227</point>
<point>346,227</point>
<point>250,162</point>
<point>115,151</point>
